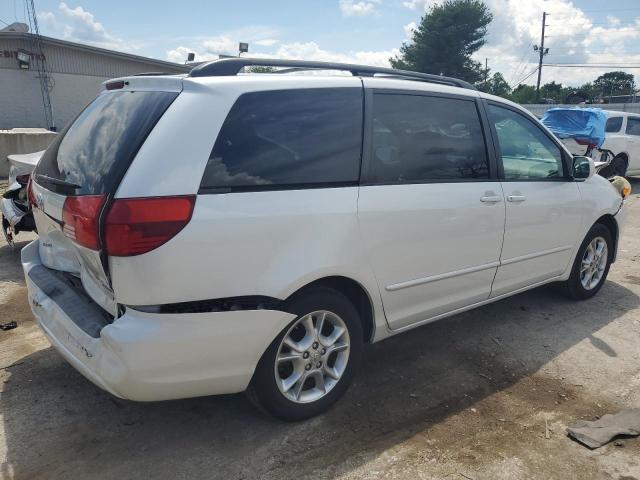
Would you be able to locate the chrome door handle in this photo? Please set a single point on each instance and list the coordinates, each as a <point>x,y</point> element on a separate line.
<point>516,198</point>
<point>491,199</point>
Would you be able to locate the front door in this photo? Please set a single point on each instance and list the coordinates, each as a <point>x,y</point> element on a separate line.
<point>430,215</point>
<point>543,206</point>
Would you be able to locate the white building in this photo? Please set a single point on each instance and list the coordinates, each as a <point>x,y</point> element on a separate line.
<point>74,73</point>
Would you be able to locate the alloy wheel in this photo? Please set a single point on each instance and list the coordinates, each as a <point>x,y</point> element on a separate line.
<point>312,356</point>
<point>594,263</point>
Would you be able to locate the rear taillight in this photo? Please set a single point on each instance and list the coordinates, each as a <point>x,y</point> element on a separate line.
<point>584,141</point>
<point>80,217</point>
<point>138,225</point>
<point>23,179</point>
<point>31,196</point>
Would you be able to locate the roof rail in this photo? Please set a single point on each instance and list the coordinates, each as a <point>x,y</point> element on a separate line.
<point>226,67</point>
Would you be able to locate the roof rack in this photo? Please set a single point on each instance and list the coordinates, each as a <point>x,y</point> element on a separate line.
<point>226,67</point>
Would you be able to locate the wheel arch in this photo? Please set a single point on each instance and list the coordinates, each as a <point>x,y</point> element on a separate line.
<point>355,292</point>
<point>610,222</point>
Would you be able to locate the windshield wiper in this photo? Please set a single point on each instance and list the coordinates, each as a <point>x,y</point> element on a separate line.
<point>57,181</point>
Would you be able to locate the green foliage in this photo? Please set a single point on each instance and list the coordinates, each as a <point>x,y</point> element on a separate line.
<point>448,34</point>
<point>615,83</point>
<point>261,69</point>
<point>523,94</point>
<point>553,91</point>
<point>498,85</point>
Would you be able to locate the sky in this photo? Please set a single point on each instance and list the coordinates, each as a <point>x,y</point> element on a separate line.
<point>361,31</point>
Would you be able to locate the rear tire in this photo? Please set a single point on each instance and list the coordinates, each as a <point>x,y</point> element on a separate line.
<point>321,348</point>
<point>591,264</point>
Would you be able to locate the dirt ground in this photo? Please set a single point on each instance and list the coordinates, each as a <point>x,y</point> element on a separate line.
<point>464,398</point>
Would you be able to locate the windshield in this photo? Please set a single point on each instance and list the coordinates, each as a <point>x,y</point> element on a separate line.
<point>92,155</point>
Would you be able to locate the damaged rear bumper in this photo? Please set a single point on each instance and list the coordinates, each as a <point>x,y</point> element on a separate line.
<point>149,356</point>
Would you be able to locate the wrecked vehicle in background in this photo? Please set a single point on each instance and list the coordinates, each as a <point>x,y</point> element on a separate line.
<point>610,138</point>
<point>16,211</point>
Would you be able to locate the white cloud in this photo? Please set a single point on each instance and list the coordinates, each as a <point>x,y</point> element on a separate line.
<point>358,8</point>
<point>267,42</point>
<point>312,51</point>
<point>409,28</point>
<point>221,45</point>
<point>79,25</point>
<point>572,38</point>
<point>179,55</point>
<point>613,21</point>
<point>293,51</point>
<point>420,4</point>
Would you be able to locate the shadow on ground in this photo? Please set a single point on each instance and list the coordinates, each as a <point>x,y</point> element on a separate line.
<point>58,425</point>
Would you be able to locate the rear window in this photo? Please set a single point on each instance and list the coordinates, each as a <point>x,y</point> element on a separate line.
<point>633,126</point>
<point>288,139</point>
<point>92,155</point>
<point>614,124</point>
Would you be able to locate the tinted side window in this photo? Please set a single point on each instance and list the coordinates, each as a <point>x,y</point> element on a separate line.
<point>421,138</point>
<point>527,152</point>
<point>633,126</point>
<point>613,124</point>
<point>288,138</point>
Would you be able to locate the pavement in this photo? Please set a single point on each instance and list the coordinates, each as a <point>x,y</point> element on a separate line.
<point>487,394</point>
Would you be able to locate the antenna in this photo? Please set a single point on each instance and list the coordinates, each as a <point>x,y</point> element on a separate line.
<point>39,60</point>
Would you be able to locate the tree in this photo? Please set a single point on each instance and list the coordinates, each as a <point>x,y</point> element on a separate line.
<point>523,94</point>
<point>261,69</point>
<point>498,85</point>
<point>615,83</point>
<point>448,34</point>
<point>552,90</point>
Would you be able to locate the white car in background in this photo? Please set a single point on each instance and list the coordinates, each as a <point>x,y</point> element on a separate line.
<point>621,145</point>
<point>215,233</point>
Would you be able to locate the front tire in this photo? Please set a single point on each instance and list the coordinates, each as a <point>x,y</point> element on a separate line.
<point>591,266</point>
<point>311,363</point>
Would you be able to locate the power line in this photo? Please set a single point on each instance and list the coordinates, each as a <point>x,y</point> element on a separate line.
<point>608,10</point>
<point>525,77</point>
<point>591,65</point>
<point>521,65</point>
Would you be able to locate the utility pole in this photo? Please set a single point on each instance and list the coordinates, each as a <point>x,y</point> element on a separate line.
<point>486,73</point>
<point>542,52</point>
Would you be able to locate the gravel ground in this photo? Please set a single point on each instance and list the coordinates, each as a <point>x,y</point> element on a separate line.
<point>464,398</point>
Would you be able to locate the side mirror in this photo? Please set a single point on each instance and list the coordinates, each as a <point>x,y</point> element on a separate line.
<point>583,168</point>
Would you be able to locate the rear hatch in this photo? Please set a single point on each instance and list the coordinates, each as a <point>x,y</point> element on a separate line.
<point>75,181</point>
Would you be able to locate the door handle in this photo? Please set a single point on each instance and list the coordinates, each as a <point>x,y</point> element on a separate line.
<point>491,199</point>
<point>516,198</point>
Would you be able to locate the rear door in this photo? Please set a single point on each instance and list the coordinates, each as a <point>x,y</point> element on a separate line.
<point>543,205</point>
<point>632,131</point>
<point>431,212</point>
<point>78,176</point>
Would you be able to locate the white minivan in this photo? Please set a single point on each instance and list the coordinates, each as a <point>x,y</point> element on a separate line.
<point>223,232</point>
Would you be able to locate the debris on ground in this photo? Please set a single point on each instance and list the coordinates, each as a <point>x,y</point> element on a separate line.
<point>8,326</point>
<point>598,433</point>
